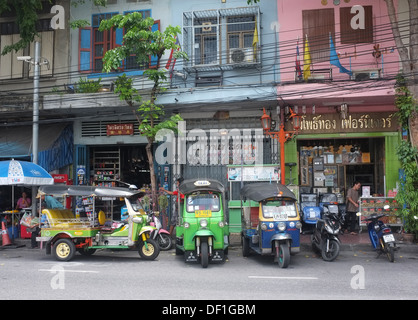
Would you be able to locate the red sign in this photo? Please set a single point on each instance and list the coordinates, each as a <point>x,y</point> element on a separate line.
<point>124,129</point>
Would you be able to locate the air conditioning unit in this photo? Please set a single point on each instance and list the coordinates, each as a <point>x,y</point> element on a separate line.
<point>366,74</point>
<point>241,55</point>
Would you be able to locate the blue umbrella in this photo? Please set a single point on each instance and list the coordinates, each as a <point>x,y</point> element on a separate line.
<point>18,173</point>
<point>14,172</point>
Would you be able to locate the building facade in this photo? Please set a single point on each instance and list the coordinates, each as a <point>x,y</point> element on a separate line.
<point>341,81</point>
<point>242,58</point>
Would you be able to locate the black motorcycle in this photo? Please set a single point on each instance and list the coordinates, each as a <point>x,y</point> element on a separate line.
<point>325,237</point>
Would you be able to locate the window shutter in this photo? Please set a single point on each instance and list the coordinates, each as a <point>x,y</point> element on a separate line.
<point>355,36</point>
<point>318,24</point>
<point>85,50</point>
<point>154,59</point>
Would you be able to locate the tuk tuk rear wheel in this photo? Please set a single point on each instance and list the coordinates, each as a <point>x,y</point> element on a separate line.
<point>64,250</point>
<point>245,246</point>
<point>150,251</point>
<point>283,254</point>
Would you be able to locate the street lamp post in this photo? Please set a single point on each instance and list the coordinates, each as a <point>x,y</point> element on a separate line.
<point>36,61</point>
<point>282,136</point>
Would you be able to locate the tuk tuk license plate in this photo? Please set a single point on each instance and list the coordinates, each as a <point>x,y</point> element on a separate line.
<point>389,238</point>
<point>280,216</point>
<point>203,213</point>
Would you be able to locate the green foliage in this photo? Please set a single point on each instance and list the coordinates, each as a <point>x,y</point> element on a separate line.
<point>26,18</point>
<point>88,86</point>
<point>407,195</point>
<point>163,202</point>
<point>141,41</point>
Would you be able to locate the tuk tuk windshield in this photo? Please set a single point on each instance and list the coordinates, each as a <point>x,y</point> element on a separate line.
<point>203,201</point>
<point>281,209</point>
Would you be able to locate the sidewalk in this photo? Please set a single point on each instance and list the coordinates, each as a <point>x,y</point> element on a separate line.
<point>359,241</point>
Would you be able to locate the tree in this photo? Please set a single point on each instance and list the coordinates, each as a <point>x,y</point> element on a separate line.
<point>409,60</point>
<point>141,41</point>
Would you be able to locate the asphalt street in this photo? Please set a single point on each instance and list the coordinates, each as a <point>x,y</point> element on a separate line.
<point>122,275</point>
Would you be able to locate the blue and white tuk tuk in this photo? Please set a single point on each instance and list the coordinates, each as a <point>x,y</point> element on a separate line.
<point>270,221</point>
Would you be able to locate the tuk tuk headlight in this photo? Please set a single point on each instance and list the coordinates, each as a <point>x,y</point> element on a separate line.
<point>263,226</point>
<point>186,225</point>
<point>281,226</point>
<point>221,224</point>
<point>137,219</point>
<point>298,225</point>
<point>203,223</point>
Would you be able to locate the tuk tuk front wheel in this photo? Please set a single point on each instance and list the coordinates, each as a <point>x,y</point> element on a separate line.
<point>148,250</point>
<point>283,254</point>
<point>204,254</point>
<point>64,249</point>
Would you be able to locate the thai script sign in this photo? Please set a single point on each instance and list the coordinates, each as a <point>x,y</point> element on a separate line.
<point>120,129</point>
<point>332,123</point>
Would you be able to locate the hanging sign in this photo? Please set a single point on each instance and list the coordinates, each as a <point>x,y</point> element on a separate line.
<point>120,129</point>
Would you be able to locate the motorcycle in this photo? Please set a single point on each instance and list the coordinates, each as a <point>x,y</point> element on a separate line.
<point>325,237</point>
<point>381,236</point>
<point>160,235</point>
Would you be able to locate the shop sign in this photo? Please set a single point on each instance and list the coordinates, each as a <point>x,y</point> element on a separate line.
<point>120,129</point>
<point>357,122</point>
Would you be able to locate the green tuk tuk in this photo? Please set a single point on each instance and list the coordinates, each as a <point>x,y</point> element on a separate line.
<point>202,231</point>
<point>66,233</point>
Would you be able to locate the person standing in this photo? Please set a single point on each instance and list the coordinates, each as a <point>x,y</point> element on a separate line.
<point>352,206</point>
<point>174,216</point>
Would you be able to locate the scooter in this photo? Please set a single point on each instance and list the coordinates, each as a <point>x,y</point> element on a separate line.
<point>325,237</point>
<point>160,235</point>
<point>381,236</point>
<point>310,212</point>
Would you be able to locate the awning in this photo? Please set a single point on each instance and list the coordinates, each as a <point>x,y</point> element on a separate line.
<point>55,144</point>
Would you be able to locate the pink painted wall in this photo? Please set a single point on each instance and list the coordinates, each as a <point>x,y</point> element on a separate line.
<point>359,56</point>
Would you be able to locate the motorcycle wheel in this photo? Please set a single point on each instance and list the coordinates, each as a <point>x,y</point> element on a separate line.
<point>334,250</point>
<point>390,253</point>
<point>283,255</point>
<point>314,246</point>
<point>164,241</point>
<point>149,251</point>
<point>204,252</point>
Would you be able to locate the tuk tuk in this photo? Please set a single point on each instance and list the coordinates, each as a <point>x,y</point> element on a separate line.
<point>202,232</point>
<point>66,233</point>
<point>270,221</point>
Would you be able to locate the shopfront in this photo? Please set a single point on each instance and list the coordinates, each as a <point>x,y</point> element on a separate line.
<point>108,151</point>
<point>332,152</point>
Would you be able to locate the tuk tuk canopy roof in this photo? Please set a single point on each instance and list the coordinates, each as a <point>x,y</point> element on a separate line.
<point>191,185</point>
<point>265,190</point>
<point>86,191</point>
